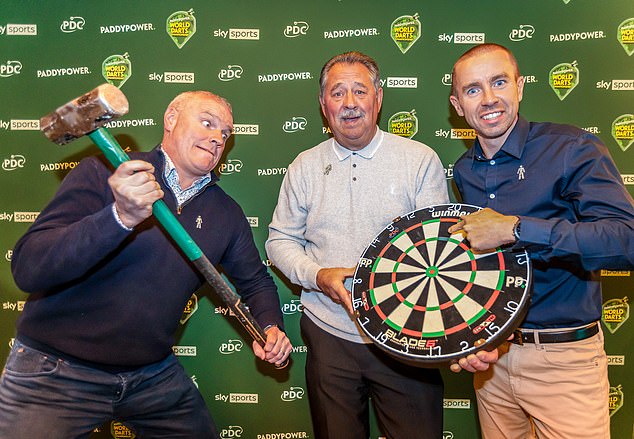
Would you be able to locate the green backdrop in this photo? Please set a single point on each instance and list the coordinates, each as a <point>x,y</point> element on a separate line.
<point>265,58</point>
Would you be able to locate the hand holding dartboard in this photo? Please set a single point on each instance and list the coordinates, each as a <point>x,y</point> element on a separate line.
<point>423,295</point>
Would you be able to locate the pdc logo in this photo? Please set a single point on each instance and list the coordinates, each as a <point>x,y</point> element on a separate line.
<point>230,347</point>
<point>297,29</point>
<point>294,307</point>
<point>297,123</point>
<point>447,435</point>
<point>231,167</point>
<point>525,31</point>
<point>73,24</point>
<point>14,162</point>
<point>10,68</point>
<point>231,431</point>
<point>293,394</point>
<point>446,79</point>
<point>230,73</point>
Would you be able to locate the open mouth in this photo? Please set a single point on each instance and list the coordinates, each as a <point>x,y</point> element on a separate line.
<point>491,116</point>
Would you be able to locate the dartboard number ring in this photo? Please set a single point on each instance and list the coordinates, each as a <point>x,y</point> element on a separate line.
<point>423,295</point>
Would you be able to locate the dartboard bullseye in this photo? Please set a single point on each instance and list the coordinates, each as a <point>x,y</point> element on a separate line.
<point>422,294</point>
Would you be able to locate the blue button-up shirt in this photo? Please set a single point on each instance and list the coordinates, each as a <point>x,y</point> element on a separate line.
<point>576,215</point>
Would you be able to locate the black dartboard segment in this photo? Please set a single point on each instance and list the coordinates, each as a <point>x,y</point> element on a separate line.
<point>424,295</point>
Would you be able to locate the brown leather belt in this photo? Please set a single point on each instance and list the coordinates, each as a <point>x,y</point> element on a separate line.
<point>521,336</point>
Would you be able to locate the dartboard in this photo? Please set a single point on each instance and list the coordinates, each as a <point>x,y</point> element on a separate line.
<point>422,294</point>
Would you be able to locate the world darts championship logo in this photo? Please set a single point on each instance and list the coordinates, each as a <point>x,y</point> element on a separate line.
<point>181,26</point>
<point>563,78</point>
<point>404,124</point>
<point>405,31</point>
<point>117,69</point>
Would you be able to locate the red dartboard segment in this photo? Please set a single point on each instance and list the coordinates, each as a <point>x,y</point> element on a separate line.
<point>422,295</point>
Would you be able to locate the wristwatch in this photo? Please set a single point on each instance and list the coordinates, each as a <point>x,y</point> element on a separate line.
<point>517,229</point>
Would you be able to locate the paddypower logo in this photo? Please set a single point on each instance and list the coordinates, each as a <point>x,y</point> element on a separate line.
<point>616,399</point>
<point>120,431</point>
<point>623,130</point>
<point>405,31</point>
<point>615,313</point>
<point>10,68</point>
<point>625,35</point>
<point>404,124</point>
<point>563,78</point>
<point>180,26</point>
<point>190,308</point>
<point>117,69</point>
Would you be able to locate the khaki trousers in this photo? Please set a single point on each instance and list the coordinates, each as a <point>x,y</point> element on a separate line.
<point>546,391</point>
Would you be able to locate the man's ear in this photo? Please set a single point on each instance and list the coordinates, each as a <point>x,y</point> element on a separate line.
<point>169,119</point>
<point>456,104</point>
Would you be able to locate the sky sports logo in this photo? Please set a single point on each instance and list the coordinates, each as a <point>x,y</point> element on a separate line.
<point>401,82</point>
<point>19,217</point>
<point>19,29</point>
<point>463,38</point>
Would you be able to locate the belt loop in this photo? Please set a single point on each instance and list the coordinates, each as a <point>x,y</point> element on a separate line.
<point>538,345</point>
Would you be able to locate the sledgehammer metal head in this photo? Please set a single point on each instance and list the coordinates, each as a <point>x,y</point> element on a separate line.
<point>84,114</point>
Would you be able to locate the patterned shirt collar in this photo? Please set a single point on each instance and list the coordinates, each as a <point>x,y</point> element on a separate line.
<point>171,178</point>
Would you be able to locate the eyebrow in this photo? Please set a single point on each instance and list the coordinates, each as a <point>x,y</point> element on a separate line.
<point>502,75</point>
<point>340,83</point>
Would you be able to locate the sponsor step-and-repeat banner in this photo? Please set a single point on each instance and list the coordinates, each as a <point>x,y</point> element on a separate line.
<point>265,58</point>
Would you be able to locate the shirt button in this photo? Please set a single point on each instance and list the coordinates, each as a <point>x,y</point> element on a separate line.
<point>492,162</point>
<point>354,178</point>
<point>354,165</point>
<point>491,196</point>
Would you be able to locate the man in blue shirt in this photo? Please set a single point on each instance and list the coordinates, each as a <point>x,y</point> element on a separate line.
<point>554,191</point>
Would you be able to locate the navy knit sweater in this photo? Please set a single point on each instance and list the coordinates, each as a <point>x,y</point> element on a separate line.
<point>108,296</point>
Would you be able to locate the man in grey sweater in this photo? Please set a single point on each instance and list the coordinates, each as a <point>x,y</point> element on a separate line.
<point>335,198</point>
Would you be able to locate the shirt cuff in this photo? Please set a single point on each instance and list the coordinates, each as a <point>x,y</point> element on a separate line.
<point>118,219</point>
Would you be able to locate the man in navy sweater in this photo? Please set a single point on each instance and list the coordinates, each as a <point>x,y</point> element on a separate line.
<point>108,287</point>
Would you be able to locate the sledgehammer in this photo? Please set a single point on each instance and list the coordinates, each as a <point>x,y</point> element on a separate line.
<point>86,115</point>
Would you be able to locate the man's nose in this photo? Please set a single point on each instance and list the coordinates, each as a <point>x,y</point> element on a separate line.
<point>488,96</point>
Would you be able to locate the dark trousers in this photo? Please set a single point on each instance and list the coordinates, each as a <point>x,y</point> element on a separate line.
<point>342,377</point>
<point>42,396</point>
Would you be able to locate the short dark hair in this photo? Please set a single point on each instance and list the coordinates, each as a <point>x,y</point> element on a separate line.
<point>350,58</point>
<point>479,49</point>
